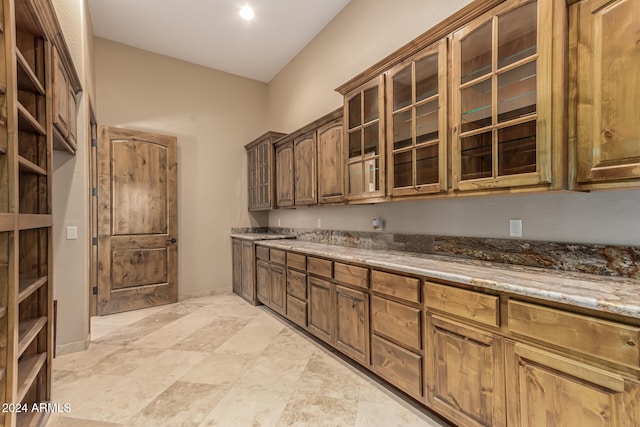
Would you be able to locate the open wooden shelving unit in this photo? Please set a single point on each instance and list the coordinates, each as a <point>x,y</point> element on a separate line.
<point>29,31</point>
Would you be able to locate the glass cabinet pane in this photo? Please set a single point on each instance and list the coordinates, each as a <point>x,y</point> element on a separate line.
<point>371,175</point>
<point>403,169</point>
<point>426,77</point>
<point>402,89</point>
<point>427,122</point>
<point>476,156</point>
<point>517,149</point>
<point>402,130</point>
<point>355,114</point>
<point>427,165</point>
<point>370,104</point>
<point>371,141</point>
<point>517,92</point>
<point>476,106</point>
<point>355,144</point>
<point>517,34</point>
<point>475,52</point>
<point>355,178</point>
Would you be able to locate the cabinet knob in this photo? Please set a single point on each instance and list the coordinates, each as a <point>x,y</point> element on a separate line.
<point>171,240</point>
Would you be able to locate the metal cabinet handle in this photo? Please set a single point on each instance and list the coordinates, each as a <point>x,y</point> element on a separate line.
<point>171,240</point>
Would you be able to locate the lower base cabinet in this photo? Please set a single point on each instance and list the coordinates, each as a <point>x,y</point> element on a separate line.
<point>263,281</point>
<point>399,366</point>
<point>548,389</point>
<point>278,289</point>
<point>465,373</point>
<point>244,261</point>
<point>321,309</point>
<point>352,323</point>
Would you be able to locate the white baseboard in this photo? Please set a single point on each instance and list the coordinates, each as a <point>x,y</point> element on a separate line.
<point>207,293</point>
<point>74,347</point>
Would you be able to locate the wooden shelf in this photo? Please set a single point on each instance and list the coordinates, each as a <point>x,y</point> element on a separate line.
<point>29,286</point>
<point>32,221</point>
<point>28,123</point>
<point>3,150</point>
<point>28,369</point>
<point>3,88</point>
<point>27,79</point>
<point>61,144</point>
<point>3,372</point>
<point>32,419</point>
<point>28,331</point>
<point>27,165</point>
<point>7,222</point>
<point>3,312</point>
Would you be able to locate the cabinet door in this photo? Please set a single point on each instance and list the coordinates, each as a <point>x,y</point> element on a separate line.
<point>248,274</point>
<point>502,98</point>
<point>60,95</point>
<point>352,323</point>
<point>608,91</point>
<point>417,123</point>
<point>365,144</point>
<point>304,152</point>
<point>547,389</point>
<point>331,163</point>
<point>72,122</point>
<point>264,178</point>
<point>236,254</point>
<point>252,178</point>
<point>320,308</point>
<point>284,175</point>
<point>465,373</point>
<point>263,282</point>
<point>278,295</point>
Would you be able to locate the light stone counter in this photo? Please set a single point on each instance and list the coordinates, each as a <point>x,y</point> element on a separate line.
<point>262,236</point>
<point>608,294</point>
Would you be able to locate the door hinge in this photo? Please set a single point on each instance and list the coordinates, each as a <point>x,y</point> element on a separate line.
<point>94,191</point>
<point>95,241</point>
<point>95,290</point>
<point>94,142</point>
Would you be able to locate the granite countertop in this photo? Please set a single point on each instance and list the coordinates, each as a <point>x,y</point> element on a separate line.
<point>603,293</point>
<point>262,236</point>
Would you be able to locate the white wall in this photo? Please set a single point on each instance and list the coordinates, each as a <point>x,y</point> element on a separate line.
<point>362,34</point>
<point>213,114</point>
<point>70,192</point>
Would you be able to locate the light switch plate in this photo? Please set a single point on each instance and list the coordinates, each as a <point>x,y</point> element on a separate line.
<point>72,233</point>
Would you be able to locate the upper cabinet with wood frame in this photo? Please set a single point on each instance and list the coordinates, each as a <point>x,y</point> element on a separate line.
<point>605,93</point>
<point>305,169</point>
<point>331,161</point>
<point>417,132</point>
<point>507,97</point>
<point>66,86</point>
<point>365,142</point>
<point>261,171</point>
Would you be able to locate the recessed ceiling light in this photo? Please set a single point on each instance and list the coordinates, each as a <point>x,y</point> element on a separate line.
<point>246,13</point>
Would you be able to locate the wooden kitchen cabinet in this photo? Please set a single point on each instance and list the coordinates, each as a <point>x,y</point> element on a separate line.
<point>605,90</point>
<point>261,171</point>
<point>365,142</point>
<point>278,289</point>
<point>331,162</point>
<point>236,255</point>
<point>297,289</point>
<point>248,272</point>
<point>65,88</point>
<point>352,323</point>
<point>417,132</point>
<point>465,373</point>
<point>507,97</point>
<point>321,308</point>
<point>305,170</point>
<point>285,180</point>
<point>549,389</point>
<point>263,282</point>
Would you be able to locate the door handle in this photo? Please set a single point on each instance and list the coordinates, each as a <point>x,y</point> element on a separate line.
<point>171,240</point>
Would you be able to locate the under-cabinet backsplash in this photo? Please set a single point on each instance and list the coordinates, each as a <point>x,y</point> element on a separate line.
<point>606,260</point>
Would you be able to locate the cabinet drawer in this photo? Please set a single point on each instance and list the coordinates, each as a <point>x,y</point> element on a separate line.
<point>320,267</point>
<point>396,321</point>
<point>604,339</point>
<point>407,288</point>
<point>297,311</point>
<point>400,367</point>
<point>351,275</point>
<point>277,256</point>
<point>262,253</point>
<point>297,284</point>
<point>470,305</point>
<point>296,261</point>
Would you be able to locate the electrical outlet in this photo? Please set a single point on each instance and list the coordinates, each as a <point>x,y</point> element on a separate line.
<point>319,223</point>
<point>72,233</point>
<point>515,227</point>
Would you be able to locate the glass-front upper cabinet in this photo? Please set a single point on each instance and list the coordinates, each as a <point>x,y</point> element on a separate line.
<point>364,124</point>
<point>502,97</point>
<point>417,123</point>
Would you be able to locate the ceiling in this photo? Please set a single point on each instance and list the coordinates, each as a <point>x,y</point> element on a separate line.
<point>211,32</point>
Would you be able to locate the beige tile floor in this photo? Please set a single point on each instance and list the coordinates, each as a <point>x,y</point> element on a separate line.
<point>217,361</point>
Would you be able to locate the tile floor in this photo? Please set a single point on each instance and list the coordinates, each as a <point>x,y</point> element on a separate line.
<point>217,361</point>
